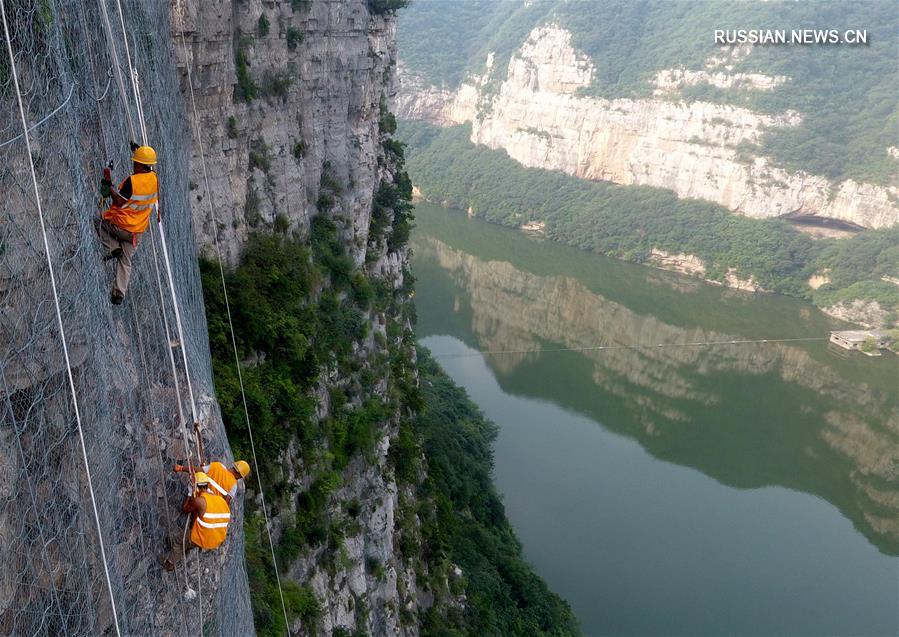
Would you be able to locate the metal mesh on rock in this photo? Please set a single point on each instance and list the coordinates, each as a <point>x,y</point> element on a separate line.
<point>52,580</point>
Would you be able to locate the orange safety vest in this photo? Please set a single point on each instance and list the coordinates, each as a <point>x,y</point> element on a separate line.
<point>221,480</point>
<point>134,214</point>
<point>209,530</point>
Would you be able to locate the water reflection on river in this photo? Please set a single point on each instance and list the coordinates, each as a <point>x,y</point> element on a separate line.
<point>732,489</point>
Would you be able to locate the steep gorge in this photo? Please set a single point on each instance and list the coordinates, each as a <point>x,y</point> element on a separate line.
<point>291,97</point>
<point>292,101</point>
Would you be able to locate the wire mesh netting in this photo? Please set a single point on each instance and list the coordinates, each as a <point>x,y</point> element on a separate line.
<point>52,580</point>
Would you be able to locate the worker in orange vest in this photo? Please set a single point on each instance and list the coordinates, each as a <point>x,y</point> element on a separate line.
<point>223,480</point>
<point>129,215</point>
<point>210,514</point>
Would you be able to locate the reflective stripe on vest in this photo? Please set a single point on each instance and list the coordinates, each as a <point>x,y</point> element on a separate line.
<point>134,214</point>
<point>209,530</point>
<point>220,478</point>
<point>217,487</point>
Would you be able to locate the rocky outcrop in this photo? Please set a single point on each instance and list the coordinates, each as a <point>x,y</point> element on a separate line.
<point>287,112</point>
<point>697,149</point>
<point>303,104</point>
<point>866,313</point>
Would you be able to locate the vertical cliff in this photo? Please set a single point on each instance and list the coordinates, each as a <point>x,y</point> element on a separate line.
<point>292,99</point>
<point>291,107</point>
<point>286,92</point>
<point>699,149</point>
<point>136,397</point>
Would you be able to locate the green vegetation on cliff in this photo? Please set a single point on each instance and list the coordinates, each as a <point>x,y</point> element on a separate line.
<point>290,324</point>
<point>464,523</point>
<point>845,93</point>
<point>301,311</point>
<point>628,222</point>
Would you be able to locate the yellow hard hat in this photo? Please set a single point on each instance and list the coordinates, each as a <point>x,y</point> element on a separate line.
<point>144,155</point>
<point>201,478</point>
<point>243,468</point>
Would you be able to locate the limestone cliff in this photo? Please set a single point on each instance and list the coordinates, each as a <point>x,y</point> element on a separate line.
<point>319,73</point>
<point>290,97</point>
<point>140,376</point>
<point>698,149</point>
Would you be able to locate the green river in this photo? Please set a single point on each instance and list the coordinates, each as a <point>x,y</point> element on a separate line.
<point>729,489</point>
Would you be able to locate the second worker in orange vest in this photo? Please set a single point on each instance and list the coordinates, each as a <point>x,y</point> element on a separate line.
<point>223,480</point>
<point>210,514</point>
<point>128,216</point>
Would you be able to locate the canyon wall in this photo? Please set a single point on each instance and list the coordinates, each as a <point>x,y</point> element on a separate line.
<point>540,115</point>
<point>290,98</point>
<point>139,380</point>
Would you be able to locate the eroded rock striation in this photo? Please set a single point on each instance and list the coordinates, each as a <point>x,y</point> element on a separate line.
<point>286,113</point>
<point>698,149</point>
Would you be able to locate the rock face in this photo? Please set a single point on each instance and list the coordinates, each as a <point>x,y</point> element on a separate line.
<point>696,149</point>
<point>140,380</point>
<point>320,72</point>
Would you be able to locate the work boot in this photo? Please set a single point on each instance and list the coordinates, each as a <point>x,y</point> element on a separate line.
<point>116,297</point>
<point>115,254</point>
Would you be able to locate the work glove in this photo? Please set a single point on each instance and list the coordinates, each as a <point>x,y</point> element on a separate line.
<point>106,183</point>
<point>134,146</point>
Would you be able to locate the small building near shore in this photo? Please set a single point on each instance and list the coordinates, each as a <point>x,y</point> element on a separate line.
<point>869,342</point>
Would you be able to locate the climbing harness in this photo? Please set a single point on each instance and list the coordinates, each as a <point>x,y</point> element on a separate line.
<point>62,332</point>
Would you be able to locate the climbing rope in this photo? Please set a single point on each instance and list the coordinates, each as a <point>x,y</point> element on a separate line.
<point>110,42</point>
<point>38,123</point>
<point>143,135</point>
<point>599,348</point>
<point>62,333</point>
<point>208,198</point>
<point>181,340</point>
<point>135,85</point>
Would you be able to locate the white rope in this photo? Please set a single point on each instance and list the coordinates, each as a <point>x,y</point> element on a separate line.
<point>115,65</point>
<point>181,341</point>
<point>165,253</point>
<point>165,322</point>
<point>111,41</point>
<point>598,348</point>
<point>106,90</point>
<point>62,333</point>
<point>36,124</point>
<point>208,199</point>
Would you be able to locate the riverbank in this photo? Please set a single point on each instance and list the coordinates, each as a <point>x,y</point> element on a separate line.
<point>641,224</point>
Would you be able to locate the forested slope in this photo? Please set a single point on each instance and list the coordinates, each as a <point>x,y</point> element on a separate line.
<point>630,222</point>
